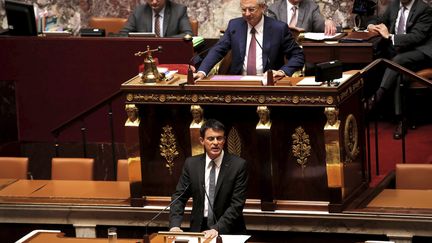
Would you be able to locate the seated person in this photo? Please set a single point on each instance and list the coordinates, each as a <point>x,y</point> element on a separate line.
<point>162,17</point>
<point>258,43</point>
<point>407,42</point>
<point>302,15</point>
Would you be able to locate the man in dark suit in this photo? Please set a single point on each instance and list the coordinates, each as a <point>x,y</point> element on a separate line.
<point>406,28</point>
<point>306,16</point>
<point>220,175</point>
<point>172,18</point>
<point>270,41</point>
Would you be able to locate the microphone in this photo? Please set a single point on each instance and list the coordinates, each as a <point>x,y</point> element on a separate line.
<point>146,237</point>
<point>218,238</point>
<point>270,81</point>
<point>195,59</point>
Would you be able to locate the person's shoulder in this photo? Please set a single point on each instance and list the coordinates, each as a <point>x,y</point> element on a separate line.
<point>195,158</point>
<point>276,4</point>
<point>235,158</point>
<point>275,23</point>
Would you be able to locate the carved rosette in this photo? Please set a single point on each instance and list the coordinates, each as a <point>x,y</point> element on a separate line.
<point>234,142</point>
<point>301,148</point>
<point>351,138</point>
<point>168,147</point>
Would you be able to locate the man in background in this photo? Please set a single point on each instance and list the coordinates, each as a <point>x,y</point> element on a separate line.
<point>301,15</point>
<point>162,17</point>
<point>258,43</point>
<point>216,180</point>
<point>406,28</point>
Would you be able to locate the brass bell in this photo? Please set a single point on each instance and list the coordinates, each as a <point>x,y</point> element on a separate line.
<point>150,73</point>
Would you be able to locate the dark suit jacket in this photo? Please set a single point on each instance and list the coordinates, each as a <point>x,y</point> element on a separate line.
<point>176,22</point>
<point>230,194</point>
<point>418,28</point>
<point>277,44</point>
<point>309,15</point>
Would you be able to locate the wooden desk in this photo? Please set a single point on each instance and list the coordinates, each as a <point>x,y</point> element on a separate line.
<point>51,237</point>
<point>403,199</point>
<point>296,111</point>
<point>67,192</point>
<point>347,53</point>
<point>5,182</point>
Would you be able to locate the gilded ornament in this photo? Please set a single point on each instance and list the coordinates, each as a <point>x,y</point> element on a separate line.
<point>329,100</point>
<point>228,98</point>
<point>234,142</point>
<point>296,99</point>
<point>351,138</point>
<point>301,148</point>
<point>168,147</point>
<point>129,97</point>
<point>162,98</point>
<point>194,98</point>
<point>261,99</point>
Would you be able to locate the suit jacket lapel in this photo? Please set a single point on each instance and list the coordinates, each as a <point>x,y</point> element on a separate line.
<point>201,175</point>
<point>226,163</point>
<point>243,40</point>
<point>266,44</point>
<point>148,19</point>
<point>166,18</point>
<point>411,16</point>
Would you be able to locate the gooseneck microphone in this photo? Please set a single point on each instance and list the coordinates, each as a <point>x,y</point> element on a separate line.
<point>218,238</point>
<point>195,59</point>
<point>146,237</point>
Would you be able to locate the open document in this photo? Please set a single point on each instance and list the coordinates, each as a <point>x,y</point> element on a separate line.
<point>321,36</point>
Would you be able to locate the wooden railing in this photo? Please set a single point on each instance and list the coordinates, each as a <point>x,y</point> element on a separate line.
<point>80,117</point>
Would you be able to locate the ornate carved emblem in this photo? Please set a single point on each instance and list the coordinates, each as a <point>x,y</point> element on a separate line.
<point>168,147</point>
<point>301,146</point>
<point>234,142</point>
<point>351,138</point>
<point>129,97</point>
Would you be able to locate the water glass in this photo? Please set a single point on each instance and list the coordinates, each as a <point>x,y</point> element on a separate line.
<point>112,235</point>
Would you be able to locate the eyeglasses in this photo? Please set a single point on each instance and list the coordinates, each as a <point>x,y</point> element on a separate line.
<point>218,138</point>
<point>251,10</point>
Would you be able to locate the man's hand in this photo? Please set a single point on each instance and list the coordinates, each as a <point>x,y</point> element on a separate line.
<point>176,229</point>
<point>329,27</point>
<point>383,30</point>
<point>277,74</point>
<point>210,234</point>
<point>199,75</point>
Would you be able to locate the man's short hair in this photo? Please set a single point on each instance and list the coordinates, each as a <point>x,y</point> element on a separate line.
<point>213,124</point>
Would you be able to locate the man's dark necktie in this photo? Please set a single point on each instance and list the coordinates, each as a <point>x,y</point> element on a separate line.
<point>293,21</point>
<point>401,25</point>
<point>251,62</point>
<point>212,188</point>
<point>157,25</point>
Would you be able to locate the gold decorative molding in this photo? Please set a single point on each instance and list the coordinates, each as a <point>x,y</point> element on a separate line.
<point>351,138</point>
<point>234,142</point>
<point>229,99</point>
<point>168,147</point>
<point>301,148</point>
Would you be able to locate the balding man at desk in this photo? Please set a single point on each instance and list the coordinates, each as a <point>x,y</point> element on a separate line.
<point>258,43</point>
<point>301,15</point>
<point>162,17</point>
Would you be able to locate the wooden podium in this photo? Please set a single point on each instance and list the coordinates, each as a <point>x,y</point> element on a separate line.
<point>304,144</point>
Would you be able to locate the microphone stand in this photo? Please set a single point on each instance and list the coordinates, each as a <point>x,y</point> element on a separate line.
<point>270,80</point>
<point>146,237</point>
<point>218,237</point>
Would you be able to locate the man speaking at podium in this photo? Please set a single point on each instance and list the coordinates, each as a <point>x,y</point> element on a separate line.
<point>258,43</point>
<point>216,180</point>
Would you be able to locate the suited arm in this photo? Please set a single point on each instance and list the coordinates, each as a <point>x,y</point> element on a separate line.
<point>183,22</point>
<point>293,53</point>
<point>238,199</point>
<point>131,24</point>
<point>177,208</point>
<point>318,23</point>
<point>418,33</point>
<point>217,52</point>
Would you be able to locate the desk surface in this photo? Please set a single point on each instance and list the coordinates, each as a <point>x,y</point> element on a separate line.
<point>401,198</point>
<point>48,237</point>
<point>64,191</point>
